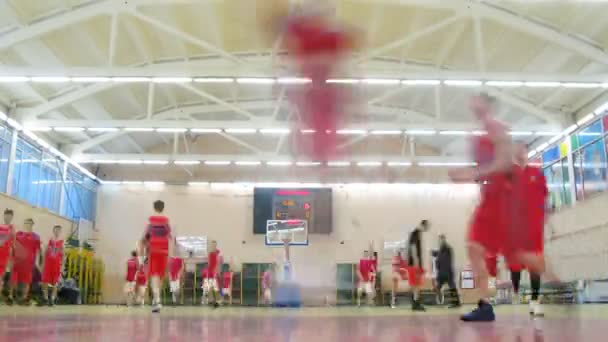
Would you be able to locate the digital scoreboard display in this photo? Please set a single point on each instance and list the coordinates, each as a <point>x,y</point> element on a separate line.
<point>311,205</point>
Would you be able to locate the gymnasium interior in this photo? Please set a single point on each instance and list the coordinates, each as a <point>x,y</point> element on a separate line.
<point>109,105</point>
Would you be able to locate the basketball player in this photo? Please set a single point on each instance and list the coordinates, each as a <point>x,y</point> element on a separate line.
<point>7,237</point>
<point>51,271</point>
<point>227,284</point>
<point>176,269</point>
<point>399,273</point>
<point>495,217</point>
<point>445,271</point>
<point>141,283</point>
<point>214,264</point>
<point>132,267</point>
<point>206,286</point>
<point>415,271</point>
<point>159,241</point>
<point>267,284</point>
<point>364,272</point>
<point>26,252</point>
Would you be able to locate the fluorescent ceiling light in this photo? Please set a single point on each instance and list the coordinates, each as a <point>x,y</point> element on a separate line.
<point>308,163</point>
<point>279,163</point>
<point>131,183</point>
<point>381,81</point>
<point>171,80</point>
<point>217,162</point>
<point>248,163</point>
<point>255,80</point>
<point>293,80</point>
<point>520,133</point>
<point>307,131</point>
<point>186,162</point>
<point>214,80</point>
<point>386,132</point>
<point>103,162</point>
<point>171,130</point>
<point>420,132</point>
<point>44,79</point>
<point>91,79</point>
<point>102,129</point>
<point>130,162</point>
<point>570,129</point>
<point>139,129</point>
<point>198,183</point>
<point>542,84</point>
<point>462,83</point>
<point>343,81</point>
<point>452,164</point>
<point>541,147</point>
<point>338,164</point>
<point>111,182</point>
<point>585,119</point>
<point>545,134</point>
<point>397,164</point>
<point>555,139</point>
<point>601,109</point>
<point>155,162</point>
<point>479,133</point>
<point>152,183</point>
<point>531,153</point>
<point>68,129</point>
<point>130,79</point>
<point>275,131</point>
<point>14,79</point>
<point>206,130</point>
<point>420,82</point>
<point>351,132</point>
<point>454,133</point>
<point>504,83</point>
<point>369,163</point>
<point>581,85</point>
<point>240,130</point>
<point>39,129</point>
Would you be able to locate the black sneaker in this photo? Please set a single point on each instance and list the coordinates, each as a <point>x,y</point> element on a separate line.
<point>43,302</point>
<point>9,301</point>
<point>483,313</point>
<point>25,302</point>
<point>417,306</point>
<point>216,305</point>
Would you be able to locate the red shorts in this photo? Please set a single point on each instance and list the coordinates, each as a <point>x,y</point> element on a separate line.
<point>51,273</point>
<point>3,264</point>
<point>141,280</point>
<point>158,265</point>
<point>491,266</point>
<point>22,273</point>
<point>415,276</point>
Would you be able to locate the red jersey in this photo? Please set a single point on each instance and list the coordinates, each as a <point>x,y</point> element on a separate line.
<point>175,267</point>
<point>266,279</point>
<point>227,280</point>
<point>54,251</point>
<point>6,240</point>
<point>213,262</point>
<point>141,278</point>
<point>27,245</point>
<point>158,234</point>
<point>132,266</point>
<point>307,35</point>
<point>398,264</point>
<point>536,191</point>
<point>365,267</point>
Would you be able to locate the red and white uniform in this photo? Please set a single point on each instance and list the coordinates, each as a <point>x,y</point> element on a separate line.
<point>400,266</point>
<point>266,280</point>
<point>175,268</point>
<point>141,278</point>
<point>27,246</point>
<point>52,262</point>
<point>6,244</point>
<point>132,266</point>
<point>158,234</point>
<point>213,263</point>
<point>227,283</point>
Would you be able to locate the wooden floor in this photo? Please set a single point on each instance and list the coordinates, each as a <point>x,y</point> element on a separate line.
<point>113,323</point>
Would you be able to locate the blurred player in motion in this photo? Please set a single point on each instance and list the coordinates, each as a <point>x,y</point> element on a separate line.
<point>26,252</point>
<point>227,285</point>
<point>415,270</point>
<point>51,273</point>
<point>267,277</point>
<point>206,287</point>
<point>7,237</point>
<point>445,271</point>
<point>498,225</point>
<point>317,46</point>
<point>364,276</point>
<point>214,264</point>
<point>399,273</point>
<point>159,242</point>
<point>141,282</point>
<point>176,269</point>
<point>132,267</point>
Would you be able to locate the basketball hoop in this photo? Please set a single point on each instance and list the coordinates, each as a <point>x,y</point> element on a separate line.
<point>286,237</point>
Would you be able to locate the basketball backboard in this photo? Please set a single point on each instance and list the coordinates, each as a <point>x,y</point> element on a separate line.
<point>293,231</point>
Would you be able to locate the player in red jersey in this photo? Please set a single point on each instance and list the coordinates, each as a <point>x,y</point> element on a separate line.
<point>132,267</point>
<point>7,237</point>
<point>176,268</point>
<point>160,245</point>
<point>400,268</point>
<point>141,282</point>
<point>51,272</point>
<point>214,264</point>
<point>364,276</point>
<point>267,277</point>
<point>227,284</point>
<point>25,254</point>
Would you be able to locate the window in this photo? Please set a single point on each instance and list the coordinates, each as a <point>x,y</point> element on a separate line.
<point>558,182</point>
<point>80,195</point>
<point>5,151</point>
<point>594,168</point>
<point>26,172</point>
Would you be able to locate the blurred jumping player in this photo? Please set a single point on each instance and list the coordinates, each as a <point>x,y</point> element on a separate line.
<point>214,264</point>
<point>7,237</point>
<point>26,252</point>
<point>159,241</point>
<point>499,211</point>
<point>364,274</point>
<point>51,272</point>
<point>445,271</point>
<point>227,285</point>
<point>415,270</point>
<point>176,269</point>
<point>132,267</point>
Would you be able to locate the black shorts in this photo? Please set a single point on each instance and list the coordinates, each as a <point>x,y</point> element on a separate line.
<point>446,278</point>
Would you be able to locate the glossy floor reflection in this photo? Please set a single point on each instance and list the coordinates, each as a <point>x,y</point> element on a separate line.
<point>100,323</point>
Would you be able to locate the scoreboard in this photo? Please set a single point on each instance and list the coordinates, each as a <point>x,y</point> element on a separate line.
<point>293,204</point>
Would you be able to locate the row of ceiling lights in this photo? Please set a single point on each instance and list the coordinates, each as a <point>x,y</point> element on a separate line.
<point>298,80</point>
<point>276,131</point>
<point>277,184</point>
<point>281,163</point>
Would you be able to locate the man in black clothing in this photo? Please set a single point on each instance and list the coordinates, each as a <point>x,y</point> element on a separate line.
<point>415,263</point>
<point>445,271</point>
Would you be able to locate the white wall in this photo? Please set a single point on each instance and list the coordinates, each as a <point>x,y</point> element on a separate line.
<point>225,213</point>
